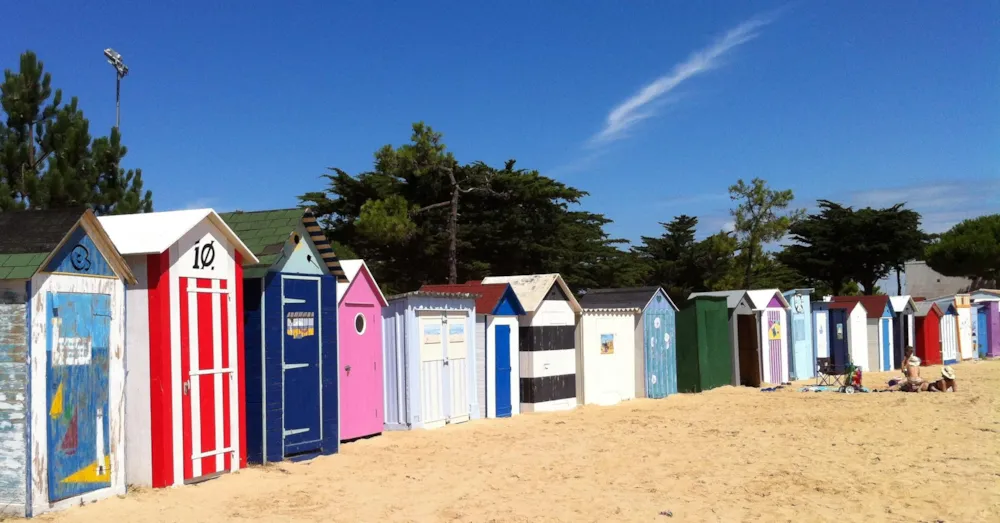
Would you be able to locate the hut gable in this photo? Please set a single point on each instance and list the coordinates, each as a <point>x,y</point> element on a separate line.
<point>902,304</point>
<point>767,299</point>
<point>630,298</point>
<point>733,298</point>
<point>928,307</point>
<point>285,240</point>
<point>131,233</point>
<point>875,306</point>
<point>61,241</point>
<point>533,289</point>
<point>355,270</point>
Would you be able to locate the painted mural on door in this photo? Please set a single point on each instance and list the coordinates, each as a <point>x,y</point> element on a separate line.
<point>207,366</point>
<point>303,430</point>
<point>660,355</point>
<point>78,338</point>
<point>503,369</point>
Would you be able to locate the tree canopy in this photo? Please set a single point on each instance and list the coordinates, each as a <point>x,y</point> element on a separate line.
<point>47,156</point>
<point>397,217</point>
<point>839,245</point>
<point>970,249</point>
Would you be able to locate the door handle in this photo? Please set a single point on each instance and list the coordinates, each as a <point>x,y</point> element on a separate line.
<point>186,387</point>
<point>347,368</point>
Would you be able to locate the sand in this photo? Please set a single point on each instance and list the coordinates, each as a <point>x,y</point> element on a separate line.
<point>731,454</point>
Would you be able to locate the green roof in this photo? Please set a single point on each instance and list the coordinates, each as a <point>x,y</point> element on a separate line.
<point>264,233</point>
<point>20,266</point>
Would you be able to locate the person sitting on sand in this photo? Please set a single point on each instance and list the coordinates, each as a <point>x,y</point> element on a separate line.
<point>911,372</point>
<point>945,384</point>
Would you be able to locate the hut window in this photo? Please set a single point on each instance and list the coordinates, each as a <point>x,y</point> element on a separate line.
<point>359,323</point>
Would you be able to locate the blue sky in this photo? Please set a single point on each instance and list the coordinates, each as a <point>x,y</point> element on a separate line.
<point>654,107</point>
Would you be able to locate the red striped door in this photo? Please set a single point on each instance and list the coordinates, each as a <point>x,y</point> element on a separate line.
<point>207,365</point>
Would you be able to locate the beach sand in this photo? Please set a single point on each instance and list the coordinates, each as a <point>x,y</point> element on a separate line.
<point>731,454</point>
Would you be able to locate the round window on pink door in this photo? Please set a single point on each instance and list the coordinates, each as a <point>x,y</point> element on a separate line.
<point>359,323</point>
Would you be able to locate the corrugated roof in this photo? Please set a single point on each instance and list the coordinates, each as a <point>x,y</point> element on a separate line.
<point>732,297</point>
<point>531,289</point>
<point>266,232</point>
<point>155,232</point>
<point>629,298</point>
<point>874,305</point>
<point>432,294</point>
<point>490,293</point>
<point>351,270</point>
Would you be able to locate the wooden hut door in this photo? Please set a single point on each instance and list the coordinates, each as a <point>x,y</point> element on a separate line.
<point>501,344</point>
<point>78,333</point>
<point>982,331</point>
<point>303,430</point>
<point>750,369</point>
<point>661,377</point>
<point>208,367</point>
<point>432,369</point>
<point>456,368</point>
<point>838,338</point>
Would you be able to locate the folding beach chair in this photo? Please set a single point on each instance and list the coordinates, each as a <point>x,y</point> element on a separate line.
<point>831,375</point>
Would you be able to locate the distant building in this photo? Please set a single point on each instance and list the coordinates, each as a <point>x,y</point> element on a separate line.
<point>922,281</point>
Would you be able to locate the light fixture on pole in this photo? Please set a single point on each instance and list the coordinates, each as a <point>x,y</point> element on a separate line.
<point>121,70</point>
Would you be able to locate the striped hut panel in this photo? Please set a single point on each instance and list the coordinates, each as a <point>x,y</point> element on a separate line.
<point>323,246</point>
<point>774,334</point>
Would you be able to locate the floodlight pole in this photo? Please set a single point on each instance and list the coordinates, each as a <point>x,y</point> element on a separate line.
<point>118,100</point>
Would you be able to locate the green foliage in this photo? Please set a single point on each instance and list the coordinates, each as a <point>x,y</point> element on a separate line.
<point>47,157</point>
<point>682,265</point>
<point>970,249</point>
<point>840,245</point>
<point>761,217</point>
<point>387,220</point>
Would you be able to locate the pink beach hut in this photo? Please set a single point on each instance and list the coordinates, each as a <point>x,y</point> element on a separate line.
<point>360,304</point>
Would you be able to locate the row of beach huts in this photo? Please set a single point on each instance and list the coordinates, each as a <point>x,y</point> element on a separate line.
<point>167,348</point>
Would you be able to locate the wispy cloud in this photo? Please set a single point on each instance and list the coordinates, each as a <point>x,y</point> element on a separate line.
<point>941,205</point>
<point>644,103</point>
<point>199,203</point>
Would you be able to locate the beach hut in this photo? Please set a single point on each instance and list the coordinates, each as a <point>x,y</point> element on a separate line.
<point>430,359</point>
<point>879,330</point>
<point>290,324</point>
<point>801,353</point>
<point>605,373</point>
<point>186,408</point>
<point>903,308</point>
<point>957,309</point>
<point>655,335</point>
<point>758,336</point>
<point>360,304</point>
<point>497,376</point>
<point>987,324</point>
<point>62,372</point>
<point>928,333</point>
<point>847,333</point>
<point>704,356</point>
<point>547,341</point>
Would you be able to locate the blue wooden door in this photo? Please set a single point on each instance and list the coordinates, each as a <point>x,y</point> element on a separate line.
<point>886,346</point>
<point>77,344</point>
<point>302,374</point>
<point>982,331</point>
<point>660,359</point>
<point>502,337</point>
<point>838,337</point>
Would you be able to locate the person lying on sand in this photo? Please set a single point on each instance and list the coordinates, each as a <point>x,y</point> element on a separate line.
<point>945,384</point>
